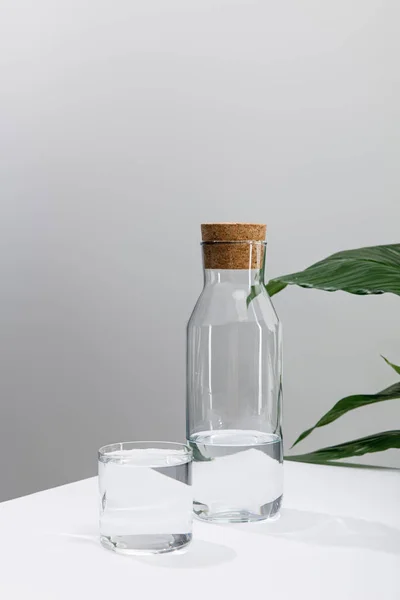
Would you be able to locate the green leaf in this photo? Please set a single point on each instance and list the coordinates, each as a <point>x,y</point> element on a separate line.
<point>395,367</point>
<point>350,465</point>
<point>372,443</point>
<point>274,286</point>
<point>350,403</point>
<point>197,455</point>
<point>371,270</point>
<point>254,291</point>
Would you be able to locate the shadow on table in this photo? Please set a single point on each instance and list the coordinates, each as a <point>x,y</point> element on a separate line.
<point>199,554</point>
<point>85,538</point>
<point>328,530</point>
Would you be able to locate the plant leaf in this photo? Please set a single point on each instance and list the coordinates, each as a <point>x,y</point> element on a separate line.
<point>258,287</point>
<point>371,270</point>
<point>372,443</point>
<point>254,291</point>
<point>274,286</point>
<point>197,455</point>
<point>350,465</point>
<point>395,367</point>
<point>350,403</point>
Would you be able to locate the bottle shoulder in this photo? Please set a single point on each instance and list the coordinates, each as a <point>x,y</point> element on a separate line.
<point>224,303</point>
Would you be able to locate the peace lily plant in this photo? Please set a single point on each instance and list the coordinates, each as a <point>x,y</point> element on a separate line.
<point>372,270</point>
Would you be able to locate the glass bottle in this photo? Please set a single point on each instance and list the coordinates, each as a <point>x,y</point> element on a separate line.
<point>234,390</point>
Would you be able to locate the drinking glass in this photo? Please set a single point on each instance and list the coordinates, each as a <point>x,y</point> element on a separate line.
<point>145,497</point>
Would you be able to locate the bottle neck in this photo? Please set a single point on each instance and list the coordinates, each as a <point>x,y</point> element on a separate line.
<point>239,277</point>
<point>237,263</point>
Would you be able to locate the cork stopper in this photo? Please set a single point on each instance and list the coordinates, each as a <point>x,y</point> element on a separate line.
<point>233,245</point>
<point>233,232</point>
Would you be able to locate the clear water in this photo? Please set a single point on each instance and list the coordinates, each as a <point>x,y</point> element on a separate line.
<point>145,500</point>
<point>237,475</point>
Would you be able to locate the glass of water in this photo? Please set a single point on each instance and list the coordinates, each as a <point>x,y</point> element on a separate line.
<point>145,497</point>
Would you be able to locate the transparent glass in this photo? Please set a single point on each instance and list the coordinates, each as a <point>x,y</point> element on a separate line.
<point>234,394</point>
<point>145,497</point>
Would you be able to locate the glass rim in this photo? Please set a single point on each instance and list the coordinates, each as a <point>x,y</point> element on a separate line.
<point>143,445</point>
<point>210,242</point>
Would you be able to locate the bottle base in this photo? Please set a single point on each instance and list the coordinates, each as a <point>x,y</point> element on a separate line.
<point>269,511</point>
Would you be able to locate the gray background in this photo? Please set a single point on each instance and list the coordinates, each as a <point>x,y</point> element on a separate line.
<point>123,125</point>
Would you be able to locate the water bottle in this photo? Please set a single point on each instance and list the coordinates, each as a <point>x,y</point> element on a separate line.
<point>234,383</point>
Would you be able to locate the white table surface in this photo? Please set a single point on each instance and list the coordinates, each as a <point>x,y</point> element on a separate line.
<point>338,538</point>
